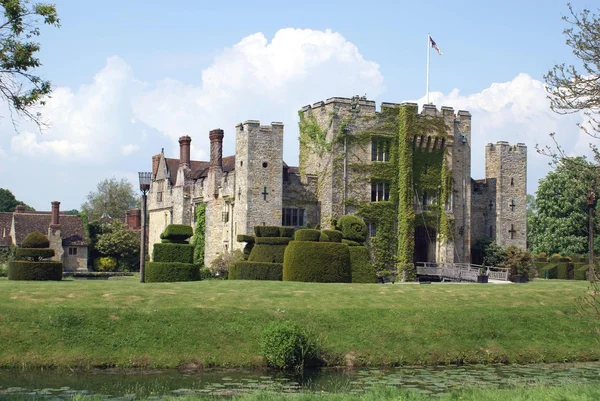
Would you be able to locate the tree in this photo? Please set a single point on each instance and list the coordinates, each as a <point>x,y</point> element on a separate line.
<point>119,243</point>
<point>576,88</point>
<point>19,87</point>
<point>530,214</point>
<point>112,197</point>
<point>198,239</point>
<point>560,224</point>
<point>8,202</point>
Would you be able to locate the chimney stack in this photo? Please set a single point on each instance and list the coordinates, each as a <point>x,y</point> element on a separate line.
<point>184,151</point>
<point>134,219</point>
<point>20,209</point>
<point>216,148</point>
<point>55,212</point>
<point>155,163</point>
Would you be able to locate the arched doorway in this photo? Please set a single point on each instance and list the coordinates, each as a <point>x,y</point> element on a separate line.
<point>424,244</point>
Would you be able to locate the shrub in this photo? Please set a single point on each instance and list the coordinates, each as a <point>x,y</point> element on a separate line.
<point>323,237</point>
<point>562,271</point>
<point>288,346</point>
<point>519,262</point>
<point>555,257</point>
<point>549,271</point>
<point>581,272</point>
<point>287,232</point>
<point>353,228</point>
<point>318,262</point>
<point>26,270</point>
<point>105,264</point>
<point>494,255</point>
<point>162,272</point>
<point>333,235</point>
<point>268,253</point>
<point>206,274</point>
<point>351,243</point>
<point>245,238</point>
<point>221,265</point>
<point>180,253</point>
<point>267,231</point>
<point>362,269</point>
<point>273,240</point>
<point>35,240</point>
<point>256,271</point>
<point>307,234</point>
<point>34,254</point>
<point>177,232</point>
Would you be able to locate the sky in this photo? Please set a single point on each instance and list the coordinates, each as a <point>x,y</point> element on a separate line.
<point>131,77</point>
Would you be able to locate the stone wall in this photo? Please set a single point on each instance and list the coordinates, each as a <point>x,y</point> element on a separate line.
<point>76,262</point>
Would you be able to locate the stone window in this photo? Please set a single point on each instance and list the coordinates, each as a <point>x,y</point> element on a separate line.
<point>380,191</point>
<point>380,150</point>
<point>73,251</point>
<point>292,217</point>
<point>371,229</point>
<point>160,186</point>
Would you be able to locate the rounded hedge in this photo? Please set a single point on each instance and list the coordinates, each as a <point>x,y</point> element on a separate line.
<point>267,231</point>
<point>273,240</point>
<point>35,240</point>
<point>256,271</point>
<point>268,253</point>
<point>287,232</point>
<point>318,262</point>
<point>163,272</point>
<point>353,228</point>
<point>180,253</point>
<point>105,264</point>
<point>34,253</point>
<point>38,271</point>
<point>362,269</point>
<point>333,235</point>
<point>177,232</point>
<point>307,234</point>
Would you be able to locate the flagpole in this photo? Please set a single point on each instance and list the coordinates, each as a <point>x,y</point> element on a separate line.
<point>428,52</point>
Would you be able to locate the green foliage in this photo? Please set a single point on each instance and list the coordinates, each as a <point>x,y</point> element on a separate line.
<point>19,86</point>
<point>119,243</point>
<point>8,202</point>
<point>273,240</point>
<point>28,270</point>
<point>245,238</point>
<point>206,274</point>
<point>34,254</point>
<point>112,197</point>
<point>287,232</point>
<point>222,263</point>
<point>269,253</point>
<point>333,235</point>
<point>519,262</point>
<point>353,228</point>
<point>286,345</point>
<point>494,255</point>
<point>177,233</point>
<point>267,231</point>
<point>561,222</point>
<point>199,238</point>
<point>35,240</point>
<point>105,264</point>
<point>180,253</point>
<point>362,269</point>
<point>307,234</point>
<point>323,237</point>
<point>319,262</point>
<point>162,272</point>
<point>256,271</point>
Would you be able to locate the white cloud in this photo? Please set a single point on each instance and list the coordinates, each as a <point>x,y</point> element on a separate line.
<point>129,149</point>
<point>516,111</point>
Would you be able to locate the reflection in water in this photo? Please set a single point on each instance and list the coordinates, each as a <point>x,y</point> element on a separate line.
<point>134,383</point>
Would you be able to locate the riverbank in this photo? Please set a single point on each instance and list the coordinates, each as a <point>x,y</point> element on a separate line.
<point>124,323</point>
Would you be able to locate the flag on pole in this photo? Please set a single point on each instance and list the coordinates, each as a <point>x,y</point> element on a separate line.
<point>434,45</point>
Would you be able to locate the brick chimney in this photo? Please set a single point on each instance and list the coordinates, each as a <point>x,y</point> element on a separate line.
<point>134,219</point>
<point>216,148</point>
<point>184,151</point>
<point>20,209</point>
<point>54,222</point>
<point>155,163</point>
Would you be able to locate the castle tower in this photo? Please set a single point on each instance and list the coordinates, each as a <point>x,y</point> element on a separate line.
<point>258,175</point>
<point>507,165</point>
<point>212,196</point>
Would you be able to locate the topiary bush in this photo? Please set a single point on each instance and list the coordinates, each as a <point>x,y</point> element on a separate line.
<point>29,263</point>
<point>256,271</point>
<point>267,231</point>
<point>162,272</point>
<point>307,234</point>
<point>287,232</point>
<point>269,249</point>
<point>353,228</point>
<point>177,233</point>
<point>363,270</point>
<point>35,240</point>
<point>318,262</point>
<point>180,253</point>
<point>333,235</point>
<point>105,264</point>
<point>288,346</point>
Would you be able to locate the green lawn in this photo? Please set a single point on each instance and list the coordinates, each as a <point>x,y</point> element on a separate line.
<point>218,323</point>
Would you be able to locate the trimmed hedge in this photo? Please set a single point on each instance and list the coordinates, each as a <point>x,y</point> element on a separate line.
<point>549,271</point>
<point>267,253</point>
<point>323,237</point>
<point>35,240</point>
<point>307,234</point>
<point>267,231</point>
<point>256,271</point>
<point>580,271</point>
<point>178,253</point>
<point>177,232</point>
<point>287,232</point>
<point>42,271</point>
<point>318,262</point>
<point>362,269</point>
<point>273,240</point>
<point>351,243</point>
<point>333,235</point>
<point>245,238</point>
<point>34,253</point>
<point>353,228</point>
<point>562,271</point>
<point>162,272</point>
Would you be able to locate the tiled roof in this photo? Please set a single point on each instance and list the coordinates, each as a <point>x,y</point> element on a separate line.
<point>5,224</point>
<point>71,227</point>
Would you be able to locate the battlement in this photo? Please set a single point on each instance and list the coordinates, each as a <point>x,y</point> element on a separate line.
<point>503,145</point>
<point>275,126</point>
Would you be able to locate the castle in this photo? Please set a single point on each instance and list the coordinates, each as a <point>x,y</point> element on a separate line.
<point>407,173</point>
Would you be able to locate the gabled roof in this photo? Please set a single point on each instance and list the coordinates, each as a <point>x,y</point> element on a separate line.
<point>5,225</point>
<point>71,227</point>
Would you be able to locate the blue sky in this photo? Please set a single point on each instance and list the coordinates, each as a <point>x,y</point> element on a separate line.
<point>133,76</point>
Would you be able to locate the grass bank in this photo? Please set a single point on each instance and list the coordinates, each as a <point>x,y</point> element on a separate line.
<point>565,393</point>
<point>91,323</point>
